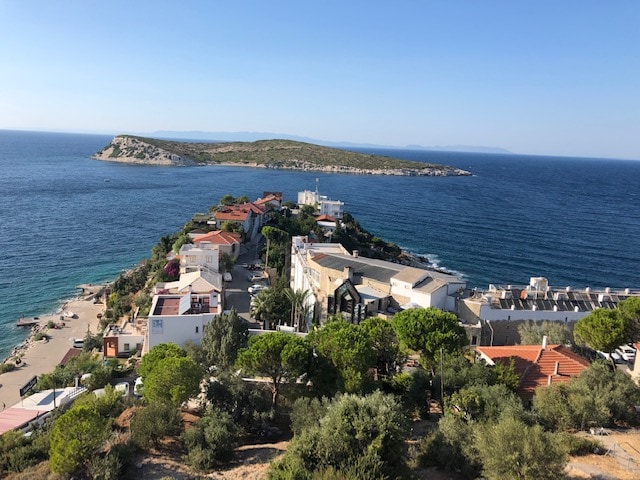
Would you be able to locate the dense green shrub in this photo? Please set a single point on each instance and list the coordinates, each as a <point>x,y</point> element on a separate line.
<point>18,452</point>
<point>360,437</point>
<point>450,447</point>
<point>154,422</point>
<point>211,441</point>
<point>577,445</point>
<point>243,401</point>
<point>307,412</point>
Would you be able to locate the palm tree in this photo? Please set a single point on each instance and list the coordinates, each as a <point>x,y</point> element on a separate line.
<point>260,308</point>
<point>299,307</point>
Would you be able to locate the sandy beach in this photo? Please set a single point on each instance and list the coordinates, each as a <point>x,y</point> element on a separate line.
<point>42,357</point>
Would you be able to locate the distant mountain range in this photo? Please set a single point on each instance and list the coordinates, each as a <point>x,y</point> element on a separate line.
<point>253,136</point>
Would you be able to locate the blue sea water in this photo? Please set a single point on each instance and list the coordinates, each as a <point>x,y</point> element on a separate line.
<point>66,219</point>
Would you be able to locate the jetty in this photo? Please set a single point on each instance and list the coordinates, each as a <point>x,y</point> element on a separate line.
<point>27,322</point>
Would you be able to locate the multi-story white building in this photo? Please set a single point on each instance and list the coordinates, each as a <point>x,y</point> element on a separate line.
<point>325,206</point>
<point>502,307</point>
<point>198,256</point>
<point>357,287</point>
<point>181,309</point>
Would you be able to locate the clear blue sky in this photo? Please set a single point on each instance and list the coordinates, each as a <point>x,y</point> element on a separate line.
<point>544,77</point>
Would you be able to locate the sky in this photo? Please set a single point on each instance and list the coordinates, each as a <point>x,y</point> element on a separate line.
<point>544,77</point>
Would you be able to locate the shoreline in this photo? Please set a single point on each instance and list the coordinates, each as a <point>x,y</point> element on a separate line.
<point>42,356</point>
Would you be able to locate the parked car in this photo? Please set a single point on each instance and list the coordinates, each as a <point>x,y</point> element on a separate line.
<point>226,276</point>
<point>627,353</point>
<point>256,288</point>
<point>123,388</point>
<point>138,387</point>
<point>256,276</point>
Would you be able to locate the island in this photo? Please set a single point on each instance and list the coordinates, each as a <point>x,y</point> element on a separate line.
<point>276,154</point>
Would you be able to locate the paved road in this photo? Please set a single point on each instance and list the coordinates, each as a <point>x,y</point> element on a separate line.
<point>236,295</point>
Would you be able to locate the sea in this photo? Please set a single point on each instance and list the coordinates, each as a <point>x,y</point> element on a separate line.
<point>66,219</point>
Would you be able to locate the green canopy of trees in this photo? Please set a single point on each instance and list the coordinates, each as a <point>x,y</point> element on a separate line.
<point>279,356</point>
<point>157,354</point>
<point>596,398</point>
<point>223,337</point>
<point>75,437</point>
<point>603,329</point>
<point>429,330</point>
<point>358,437</point>
<point>172,380</point>
<point>345,355</point>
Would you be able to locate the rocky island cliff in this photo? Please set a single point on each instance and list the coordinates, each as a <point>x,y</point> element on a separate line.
<point>279,154</point>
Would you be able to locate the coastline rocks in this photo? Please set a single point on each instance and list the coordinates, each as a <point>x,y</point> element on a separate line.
<point>125,149</point>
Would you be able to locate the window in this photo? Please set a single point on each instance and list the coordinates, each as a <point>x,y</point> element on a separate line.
<point>197,329</point>
<point>474,340</point>
<point>126,347</point>
<point>156,326</point>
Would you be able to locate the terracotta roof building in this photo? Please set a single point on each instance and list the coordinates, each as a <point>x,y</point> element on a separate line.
<point>536,365</point>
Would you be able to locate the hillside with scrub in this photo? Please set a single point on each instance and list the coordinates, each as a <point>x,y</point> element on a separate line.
<point>278,154</point>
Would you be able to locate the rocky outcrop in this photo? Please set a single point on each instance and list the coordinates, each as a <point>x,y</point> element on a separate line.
<point>126,149</point>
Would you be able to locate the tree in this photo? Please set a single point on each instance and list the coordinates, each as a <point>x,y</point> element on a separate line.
<point>344,356</point>
<point>154,422</point>
<point>227,200</point>
<point>211,441</point>
<point>272,306</point>
<point>603,329</point>
<point>486,402</point>
<point>275,235</point>
<point>75,437</point>
<point>172,380</point>
<point>229,226</point>
<point>157,354</point>
<point>531,333</point>
<point>358,437</point>
<point>385,345</point>
<point>595,398</point>
<point>280,356</point>
<point>223,337</point>
<point>299,309</point>
<point>512,450</point>
<point>630,311</point>
<point>429,330</point>
<point>227,262</point>
<point>182,239</point>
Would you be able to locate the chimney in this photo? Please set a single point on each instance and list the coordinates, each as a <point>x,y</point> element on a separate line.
<point>355,253</point>
<point>544,342</point>
<point>550,380</point>
<point>348,272</point>
<point>556,371</point>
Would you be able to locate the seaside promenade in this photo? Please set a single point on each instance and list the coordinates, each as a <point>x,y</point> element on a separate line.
<point>42,357</point>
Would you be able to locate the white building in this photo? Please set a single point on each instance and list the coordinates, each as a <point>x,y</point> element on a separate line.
<point>181,309</point>
<point>198,256</point>
<point>359,286</point>
<point>325,206</point>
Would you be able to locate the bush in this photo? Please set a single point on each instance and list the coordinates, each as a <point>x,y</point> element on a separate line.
<point>510,449</point>
<point>449,447</point>
<point>7,367</point>
<point>577,445</point>
<point>17,452</point>
<point>307,412</point>
<point>243,401</point>
<point>359,437</point>
<point>211,441</point>
<point>154,422</point>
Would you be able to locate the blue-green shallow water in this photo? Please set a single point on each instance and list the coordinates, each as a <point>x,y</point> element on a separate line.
<point>66,219</point>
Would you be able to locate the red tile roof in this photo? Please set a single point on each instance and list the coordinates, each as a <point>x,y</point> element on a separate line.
<point>325,218</point>
<point>537,366</point>
<point>218,237</point>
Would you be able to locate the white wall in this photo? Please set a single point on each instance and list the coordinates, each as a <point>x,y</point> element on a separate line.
<point>177,328</point>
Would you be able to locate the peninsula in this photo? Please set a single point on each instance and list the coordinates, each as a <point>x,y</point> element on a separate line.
<point>276,154</point>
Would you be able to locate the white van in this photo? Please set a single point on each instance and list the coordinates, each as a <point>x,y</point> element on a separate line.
<point>78,343</point>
